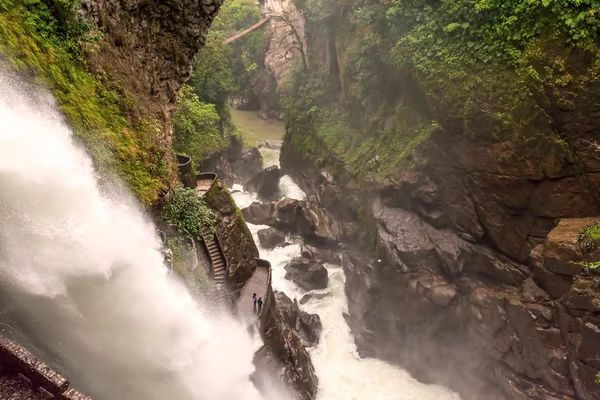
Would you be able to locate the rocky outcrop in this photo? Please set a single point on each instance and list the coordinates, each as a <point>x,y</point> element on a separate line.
<point>234,236</point>
<point>444,301</point>
<point>270,237</point>
<point>160,39</point>
<point>235,164</point>
<point>265,183</point>
<point>304,218</point>
<point>307,273</point>
<point>307,326</point>
<point>284,357</point>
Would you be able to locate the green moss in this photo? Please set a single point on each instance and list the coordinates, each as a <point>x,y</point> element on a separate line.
<point>196,278</point>
<point>38,40</point>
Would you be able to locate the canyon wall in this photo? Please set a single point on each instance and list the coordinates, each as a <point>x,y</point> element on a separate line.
<point>473,192</point>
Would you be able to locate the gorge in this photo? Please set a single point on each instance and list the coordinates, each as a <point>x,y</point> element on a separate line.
<point>430,211</point>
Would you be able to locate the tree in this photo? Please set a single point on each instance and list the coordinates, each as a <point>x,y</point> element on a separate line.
<point>292,42</point>
<point>196,130</point>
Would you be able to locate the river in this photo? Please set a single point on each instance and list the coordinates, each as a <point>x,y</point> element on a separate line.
<point>342,374</point>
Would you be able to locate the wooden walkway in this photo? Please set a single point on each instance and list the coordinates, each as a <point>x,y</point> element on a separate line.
<point>248,30</point>
<point>259,284</point>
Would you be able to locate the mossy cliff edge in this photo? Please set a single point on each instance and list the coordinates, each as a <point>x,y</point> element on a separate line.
<point>463,136</point>
<point>115,67</point>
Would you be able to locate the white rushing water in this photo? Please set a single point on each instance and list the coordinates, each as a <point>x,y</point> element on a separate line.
<point>342,374</point>
<point>86,276</point>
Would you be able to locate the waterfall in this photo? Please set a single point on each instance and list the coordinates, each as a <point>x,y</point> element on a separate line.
<point>82,271</point>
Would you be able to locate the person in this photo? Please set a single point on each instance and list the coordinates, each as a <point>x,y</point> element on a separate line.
<point>260,303</point>
<point>254,300</point>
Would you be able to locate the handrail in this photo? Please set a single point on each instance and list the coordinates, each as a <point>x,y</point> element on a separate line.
<point>16,359</point>
<point>262,263</point>
<point>220,247</point>
<point>184,164</point>
<point>212,268</point>
<point>206,175</point>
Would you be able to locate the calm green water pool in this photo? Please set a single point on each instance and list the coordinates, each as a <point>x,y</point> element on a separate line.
<point>255,129</point>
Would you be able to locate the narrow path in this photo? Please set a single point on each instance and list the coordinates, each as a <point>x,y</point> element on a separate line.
<point>203,186</point>
<point>219,266</point>
<point>258,284</point>
<point>253,27</point>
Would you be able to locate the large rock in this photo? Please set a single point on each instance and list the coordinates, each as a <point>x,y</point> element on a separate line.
<point>306,273</point>
<point>307,326</point>
<point>260,213</point>
<point>304,218</point>
<point>234,164</point>
<point>270,237</point>
<point>265,183</point>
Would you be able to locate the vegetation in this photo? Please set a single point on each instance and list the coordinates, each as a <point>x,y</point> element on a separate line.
<point>411,67</point>
<point>196,130</point>
<point>188,211</point>
<point>222,70</point>
<point>46,39</point>
<point>589,238</point>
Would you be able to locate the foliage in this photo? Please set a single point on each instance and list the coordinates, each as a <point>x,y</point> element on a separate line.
<point>428,65</point>
<point>222,70</point>
<point>589,238</point>
<point>196,130</point>
<point>188,211</point>
<point>46,39</point>
<point>457,34</point>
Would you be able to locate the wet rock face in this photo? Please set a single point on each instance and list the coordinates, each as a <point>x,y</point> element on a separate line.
<point>270,237</point>
<point>284,357</point>
<point>524,327</point>
<point>304,218</point>
<point>265,183</point>
<point>307,326</point>
<point>159,38</point>
<point>235,164</point>
<point>235,237</point>
<point>307,274</point>
<point>478,286</point>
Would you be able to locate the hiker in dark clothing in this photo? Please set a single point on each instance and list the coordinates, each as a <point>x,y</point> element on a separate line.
<point>254,300</point>
<point>260,303</point>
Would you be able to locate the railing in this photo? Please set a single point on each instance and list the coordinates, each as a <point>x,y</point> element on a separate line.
<point>269,296</point>
<point>184,164</point>
<point>14,359</point>
<point>207,175</point>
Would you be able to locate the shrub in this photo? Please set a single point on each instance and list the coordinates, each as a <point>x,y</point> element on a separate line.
<point>188,211</point>
<point>196,126</point>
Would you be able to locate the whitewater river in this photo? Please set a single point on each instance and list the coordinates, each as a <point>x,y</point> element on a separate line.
<point>342,374</point>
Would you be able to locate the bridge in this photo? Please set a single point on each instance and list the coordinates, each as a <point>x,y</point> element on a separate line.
<point>257,25</point>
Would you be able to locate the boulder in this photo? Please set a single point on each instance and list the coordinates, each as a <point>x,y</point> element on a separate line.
<point>270,237</point>
<point>265,182</point>
<point>259,213</point>
<point>306,273</point>
<point>323,255</point>
<point>304,218</point>
<point>307,326</point>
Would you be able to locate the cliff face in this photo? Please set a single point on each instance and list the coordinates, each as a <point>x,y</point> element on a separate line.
<point>474,225</point>
<point>149,47</point>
